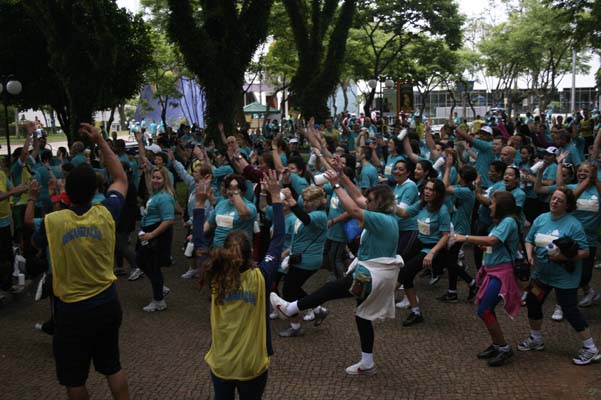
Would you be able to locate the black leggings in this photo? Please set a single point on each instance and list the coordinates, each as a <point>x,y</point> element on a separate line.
<point>415,263</point>
<point>454,269</point>
<point>335,255</point>
<point>293,283</point>
<point>149,258</point>
<point>566,298</point>
<point>587,267</point>
<point>339,289</point>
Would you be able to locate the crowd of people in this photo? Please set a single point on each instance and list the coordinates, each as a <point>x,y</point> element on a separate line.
<point>378,206</point>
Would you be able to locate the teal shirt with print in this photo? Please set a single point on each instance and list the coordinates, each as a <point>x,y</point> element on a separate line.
<point>588,213</point>
<point>308,240</point>
<point>380,236</point>
<point>159,207</point>
<point>226,218</point>
<point>504,251</point>
<point>430,224</point>
<point>464,199</point>
<point>406,194</point>
<point>543,231</point>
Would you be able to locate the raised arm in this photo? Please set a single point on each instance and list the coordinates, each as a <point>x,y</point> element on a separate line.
<point>466,136</point>
<point>112,163</point>
<point>409,151</point>
<point>446,177</point>
<point>351,206</point>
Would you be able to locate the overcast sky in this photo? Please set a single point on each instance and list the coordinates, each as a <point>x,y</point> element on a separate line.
<point>471,8</point>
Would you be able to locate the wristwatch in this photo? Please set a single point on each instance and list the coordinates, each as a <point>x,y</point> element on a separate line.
<point>337,186</point>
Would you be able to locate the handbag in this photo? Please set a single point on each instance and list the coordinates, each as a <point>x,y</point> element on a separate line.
<point>521,266</point>
<point>297,258</point>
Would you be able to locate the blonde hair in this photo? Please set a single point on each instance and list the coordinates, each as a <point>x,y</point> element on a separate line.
<point>167,187</point>
<point>314,194</point>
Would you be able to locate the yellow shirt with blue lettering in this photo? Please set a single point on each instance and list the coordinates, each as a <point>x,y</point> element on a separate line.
<point>238,348</point>
<point>81,249</point>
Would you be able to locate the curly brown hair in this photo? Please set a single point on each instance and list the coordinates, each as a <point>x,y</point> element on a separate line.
<point>222,270</point>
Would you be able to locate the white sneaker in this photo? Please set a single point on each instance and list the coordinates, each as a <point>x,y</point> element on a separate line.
<point>279,305</point>
<point>166,291</point>
<point>135,274</point>
<point>404,303</point>
<point>309,315</point>
<point>557,313</point>
<point>588,298</point>
<point>359,369</point>
<point>37,326</point>
<point>190,274</point>
<point>155,306</point>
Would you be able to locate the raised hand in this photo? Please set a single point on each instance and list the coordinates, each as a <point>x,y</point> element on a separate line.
<point>91,132</point>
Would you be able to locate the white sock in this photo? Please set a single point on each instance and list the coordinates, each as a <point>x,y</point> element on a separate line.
<point>292,308</point>
<point>416,311</point>
<point>536,335</point>
<point>295,325</point>
<point>589,344</point>
<point>367,359</point>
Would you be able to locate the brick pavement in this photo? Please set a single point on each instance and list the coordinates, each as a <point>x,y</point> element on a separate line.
<point>163,352</point>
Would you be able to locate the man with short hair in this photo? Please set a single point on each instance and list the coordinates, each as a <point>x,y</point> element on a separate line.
<point>508,155</point>
<point>81,243</point>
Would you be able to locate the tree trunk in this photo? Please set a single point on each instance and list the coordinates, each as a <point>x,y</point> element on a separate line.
<point>122,117</point>
<point>368,101</point>
<point>109,123</point>
<point>344,86</point>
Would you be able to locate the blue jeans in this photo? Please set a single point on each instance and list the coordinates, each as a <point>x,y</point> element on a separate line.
<point>247,390</point>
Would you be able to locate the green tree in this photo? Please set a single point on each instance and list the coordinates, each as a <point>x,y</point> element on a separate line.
<point>390,25</point>
<point>320,30</point>
<point>217,41</point>
<point>97,52</point>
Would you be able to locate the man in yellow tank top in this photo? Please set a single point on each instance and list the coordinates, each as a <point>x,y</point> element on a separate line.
<point>81,242</point>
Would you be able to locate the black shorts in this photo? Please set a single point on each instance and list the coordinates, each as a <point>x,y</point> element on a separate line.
<point>81,337</point>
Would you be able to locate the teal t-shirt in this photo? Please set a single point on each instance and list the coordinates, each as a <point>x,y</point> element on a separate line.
<point>389,167</point>
<point>483,211</point>
<point>298,183</point>
<point>406,194</point>
<point>507,233</point>
<point>226,218</point>
<point>485,157</point>
<point>430,224</point>
<point>368,177</point>
<point>308,240</point>
<point>159,207</point>
<point>543,231</point>
<point>336,231</point>
<point>78,159</point>
<point>289,222</point>
<point>380,236</point>
<point>549,174</point>
<point>588,213</point>
<point>463,201</point>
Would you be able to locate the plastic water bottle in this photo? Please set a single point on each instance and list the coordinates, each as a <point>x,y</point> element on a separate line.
<point>552,250</point>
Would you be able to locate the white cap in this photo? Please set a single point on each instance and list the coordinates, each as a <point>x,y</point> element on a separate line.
<point>293,140</point>
<point>155,148</point>
<point>487,129</point>
<point>552,150</point>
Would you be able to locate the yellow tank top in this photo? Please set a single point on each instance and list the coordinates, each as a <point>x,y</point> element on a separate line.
<point>81,252</point>
<point>4,204</point>
<point>238,331</point>
<point>25,178</point>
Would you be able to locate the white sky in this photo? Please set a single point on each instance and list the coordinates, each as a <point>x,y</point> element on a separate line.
<point>471,8</point>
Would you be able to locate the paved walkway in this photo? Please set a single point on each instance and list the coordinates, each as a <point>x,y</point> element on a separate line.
<point>163,352</point>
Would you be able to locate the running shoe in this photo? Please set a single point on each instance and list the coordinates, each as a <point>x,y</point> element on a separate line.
<point>403,303</point>
<point>320,314</point>
<point>279,305</point>
<point>448,298</point>
<point>309,315</point>
<point>588,299</point>
<point>291,332</point>
<point>586,356</point>
<point>413,319</point>
<point>189,274</point>
<point>136,274</point>
<point>490,352</point>
<point>501,358</point>
<point>155,306</point>
<point>531,344</point>
<point>359,370</point>
<point>557,313</point>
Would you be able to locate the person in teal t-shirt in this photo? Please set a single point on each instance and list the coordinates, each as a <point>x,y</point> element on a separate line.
<point>369,173</point>
<point>556,271</point>
<point>433,225</point>
<point>406,194</point>
<point>376,267</point>
<point>496,278</point>
<point>462,197</point>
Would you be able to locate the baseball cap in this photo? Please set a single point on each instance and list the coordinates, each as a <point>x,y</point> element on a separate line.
<point>155,148</point>
<point>293,140</point>
<point>486,129</point>
<point>552,150</point>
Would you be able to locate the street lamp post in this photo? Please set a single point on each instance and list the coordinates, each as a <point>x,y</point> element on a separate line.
<point>8,86</point>
<point>388,83</point>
